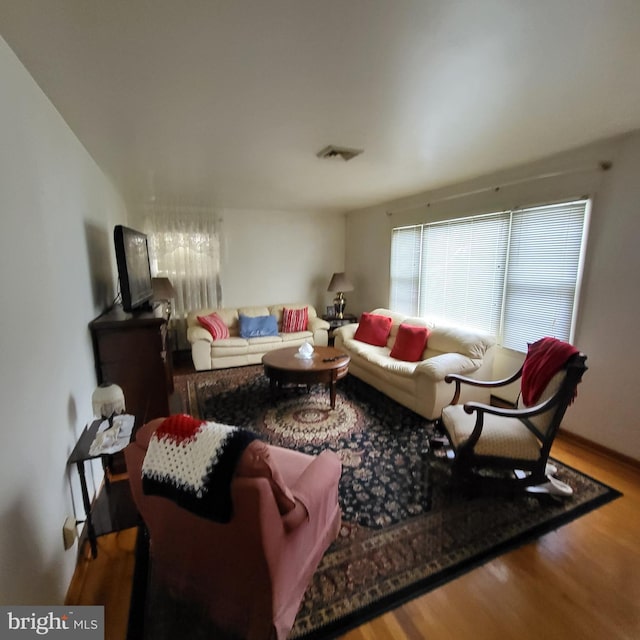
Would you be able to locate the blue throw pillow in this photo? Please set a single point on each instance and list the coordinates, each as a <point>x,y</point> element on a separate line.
<point>258,326</point>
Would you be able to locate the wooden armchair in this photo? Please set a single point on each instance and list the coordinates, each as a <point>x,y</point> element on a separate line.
<point>519,440</point>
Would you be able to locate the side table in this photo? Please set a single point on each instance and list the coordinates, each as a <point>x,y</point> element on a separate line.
<point>336,323</point>
<point>113,508</point>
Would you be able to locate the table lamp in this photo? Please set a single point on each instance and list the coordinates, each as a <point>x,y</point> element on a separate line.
<point>163,290</point>
<point>340,283</point>
<point>107,401</point>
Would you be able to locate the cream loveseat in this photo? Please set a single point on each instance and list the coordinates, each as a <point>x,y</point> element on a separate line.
<point>236,351</point>
<point>420,385</point>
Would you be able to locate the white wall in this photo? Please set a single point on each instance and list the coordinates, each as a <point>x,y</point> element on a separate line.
<point>57,269</point>
<point>270,257</point>
<point>604,411</point>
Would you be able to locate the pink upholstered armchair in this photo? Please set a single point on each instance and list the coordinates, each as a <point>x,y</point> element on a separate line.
<point>249,574</point>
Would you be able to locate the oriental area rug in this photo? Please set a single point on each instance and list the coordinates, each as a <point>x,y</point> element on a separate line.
<point>407,525</point>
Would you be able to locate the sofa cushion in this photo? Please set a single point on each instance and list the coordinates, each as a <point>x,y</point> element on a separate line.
<point>254,312</point>
<point>397,318</point>
<point>298,335</point>
<point>364,349</point>
<point>230,318</point>
<point>229,347</point>
<point>215,325</point>
<point>501,437</point>
<point>257,326</point>
<point>437,367</point>
<point>410,343</point>
<point>382,361</point>
<point>294,320</point>
<point>264,344</point>
<point>373,329</point>
<point>452,339</point>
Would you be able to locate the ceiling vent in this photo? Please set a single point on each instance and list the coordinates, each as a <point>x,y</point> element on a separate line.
<point>332,151</point>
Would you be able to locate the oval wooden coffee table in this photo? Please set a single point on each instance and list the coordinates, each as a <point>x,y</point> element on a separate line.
<point>326,366</point>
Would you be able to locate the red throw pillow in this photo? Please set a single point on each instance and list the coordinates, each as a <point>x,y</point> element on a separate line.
<point>294,320</point>
<point>373,329</point>
<point>410,342</point>
<point>215,325</point>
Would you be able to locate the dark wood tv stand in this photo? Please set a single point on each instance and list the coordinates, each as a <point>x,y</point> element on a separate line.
<point>133,351</point>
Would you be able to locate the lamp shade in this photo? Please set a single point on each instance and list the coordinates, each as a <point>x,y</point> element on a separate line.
<point>340,282</point>
<point>107,400</point>
<point>162,289</point>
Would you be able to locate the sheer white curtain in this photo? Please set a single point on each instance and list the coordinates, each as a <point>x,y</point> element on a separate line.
<point>184,246</point>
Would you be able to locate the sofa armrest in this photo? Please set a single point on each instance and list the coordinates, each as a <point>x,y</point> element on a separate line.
<point>316,323</point>
<point>320,330</point>
<point>346,331</point>
<point>198,333</point>
<point>440,366</point>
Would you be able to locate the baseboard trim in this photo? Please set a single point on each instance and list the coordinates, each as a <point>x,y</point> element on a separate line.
<point>599,448</point>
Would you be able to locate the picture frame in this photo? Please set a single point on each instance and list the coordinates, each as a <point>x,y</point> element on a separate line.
<point>331,311</point>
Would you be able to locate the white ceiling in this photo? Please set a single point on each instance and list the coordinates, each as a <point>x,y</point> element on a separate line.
<point>227,102</point>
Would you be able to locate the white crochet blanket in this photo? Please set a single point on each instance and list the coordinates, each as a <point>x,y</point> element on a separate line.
<point>192,463</point>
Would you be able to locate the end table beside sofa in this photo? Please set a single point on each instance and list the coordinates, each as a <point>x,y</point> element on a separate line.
<point>336,323</point>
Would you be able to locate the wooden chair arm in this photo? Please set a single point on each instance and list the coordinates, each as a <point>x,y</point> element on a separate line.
<point>455,377</point>
<point>521,414</point>
<point>487,384</point>
<point>470,407</point>
<point>524,412</point>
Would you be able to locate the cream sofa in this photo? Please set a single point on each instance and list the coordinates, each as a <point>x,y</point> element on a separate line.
<point>420,386</point>
<point>235,351</point>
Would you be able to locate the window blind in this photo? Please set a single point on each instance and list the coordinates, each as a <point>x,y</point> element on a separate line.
<point>514,274</point>
<point>405,269</point>
<point>463,265</point>
<point>544,260</point>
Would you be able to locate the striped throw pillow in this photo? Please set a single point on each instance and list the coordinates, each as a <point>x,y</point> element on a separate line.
<point>294,320</point>
<point>215,325</point>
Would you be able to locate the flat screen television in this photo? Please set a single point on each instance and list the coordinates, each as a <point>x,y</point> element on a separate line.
<point>132,256</point>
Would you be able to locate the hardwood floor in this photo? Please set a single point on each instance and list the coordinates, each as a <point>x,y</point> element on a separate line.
<point>580,581</point>
<point>107,580</point>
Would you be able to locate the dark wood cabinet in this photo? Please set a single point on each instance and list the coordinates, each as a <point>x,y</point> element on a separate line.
<point>132,350</point>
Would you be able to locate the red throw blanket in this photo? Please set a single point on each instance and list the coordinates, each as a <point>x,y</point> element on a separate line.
<point>545,358</point>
